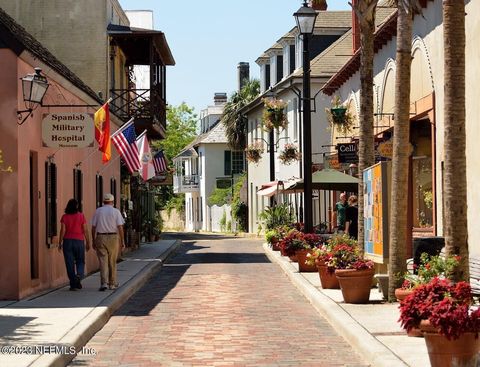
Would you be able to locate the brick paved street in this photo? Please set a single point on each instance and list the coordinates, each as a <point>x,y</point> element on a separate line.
<point>219,302</point>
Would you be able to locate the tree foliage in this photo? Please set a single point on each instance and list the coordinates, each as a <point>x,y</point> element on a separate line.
<point>181,130</point>
<point>235,123</point>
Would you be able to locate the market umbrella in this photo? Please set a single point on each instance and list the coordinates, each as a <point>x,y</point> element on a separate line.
<point>328,179</point>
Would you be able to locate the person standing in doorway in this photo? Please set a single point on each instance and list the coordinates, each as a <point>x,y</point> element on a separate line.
<point>351,217</point>
<point>107,235</point>
<point>339,212</point>
<point>73,236</point>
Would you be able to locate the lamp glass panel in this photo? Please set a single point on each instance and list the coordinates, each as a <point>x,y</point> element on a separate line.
<point>39,89</point>
<point>306,23</point>
<point>27,87</point>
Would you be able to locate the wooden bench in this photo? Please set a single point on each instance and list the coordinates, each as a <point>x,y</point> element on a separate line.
<point>474,265</point>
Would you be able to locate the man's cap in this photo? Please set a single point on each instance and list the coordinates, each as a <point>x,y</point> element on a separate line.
<point>108,197</point>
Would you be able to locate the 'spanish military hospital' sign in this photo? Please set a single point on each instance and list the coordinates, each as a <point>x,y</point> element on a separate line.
<point>68,130</point>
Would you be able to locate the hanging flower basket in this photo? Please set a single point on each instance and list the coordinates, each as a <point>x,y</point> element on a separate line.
<point>339,116</point>
<point>254,152</point>
<point>274,116</point>
<point>289,154</point>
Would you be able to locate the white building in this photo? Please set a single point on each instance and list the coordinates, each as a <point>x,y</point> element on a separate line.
<point>281,77</point>
<point>427,113</point>
<point>205,164</point>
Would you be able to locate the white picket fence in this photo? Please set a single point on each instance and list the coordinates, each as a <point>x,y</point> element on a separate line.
<point>216,215</point>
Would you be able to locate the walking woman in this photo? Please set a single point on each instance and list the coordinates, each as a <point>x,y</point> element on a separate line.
<point>73,236</point>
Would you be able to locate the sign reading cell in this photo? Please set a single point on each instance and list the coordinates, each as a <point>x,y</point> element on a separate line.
<point>67,130</point>
<point>347,153</point>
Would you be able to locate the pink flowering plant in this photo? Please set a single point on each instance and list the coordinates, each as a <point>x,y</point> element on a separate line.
<point>345,253</point>
<point>274,116</point>
<point>296,240</point>
<point>289,154</point>
<point>448,306</point>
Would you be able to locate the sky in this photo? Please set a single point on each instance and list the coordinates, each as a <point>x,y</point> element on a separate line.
<point>209,38</point>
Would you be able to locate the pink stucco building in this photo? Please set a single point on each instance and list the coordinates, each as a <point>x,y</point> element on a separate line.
<point>33,196</point>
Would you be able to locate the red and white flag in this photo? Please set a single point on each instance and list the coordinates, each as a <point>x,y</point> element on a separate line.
<point>147,169</point>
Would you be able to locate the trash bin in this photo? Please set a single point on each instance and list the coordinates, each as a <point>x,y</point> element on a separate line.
<point>430,245</point>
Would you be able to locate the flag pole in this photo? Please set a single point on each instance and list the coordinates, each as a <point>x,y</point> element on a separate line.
<point>108,165</point>
<point>94,149</point>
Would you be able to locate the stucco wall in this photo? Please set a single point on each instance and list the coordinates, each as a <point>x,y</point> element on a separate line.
<point>17,143</point>
<point>74,31</point>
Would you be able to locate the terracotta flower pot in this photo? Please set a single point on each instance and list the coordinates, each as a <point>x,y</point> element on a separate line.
<point>327,279</point>
<point>401,293</point>
<point>293,258</point>
<point>355,284</point>
<point>275,246</point>
<point>302,257</point>
<point>449,353</point>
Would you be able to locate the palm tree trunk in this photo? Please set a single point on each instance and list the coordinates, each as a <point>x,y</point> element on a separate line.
<point>455,178</point>
<point>365,10</point>
<point>401,152</point>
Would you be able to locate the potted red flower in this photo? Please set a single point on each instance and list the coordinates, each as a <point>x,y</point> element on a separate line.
<point>354,273</point>
<point>450,322</point>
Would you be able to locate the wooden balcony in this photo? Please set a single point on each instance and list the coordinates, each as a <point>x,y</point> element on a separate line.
<point>184,184</point>
<point>145,105</point>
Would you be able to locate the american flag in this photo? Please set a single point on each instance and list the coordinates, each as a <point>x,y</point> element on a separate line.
<point>124,141</point>
<point>160,162</point>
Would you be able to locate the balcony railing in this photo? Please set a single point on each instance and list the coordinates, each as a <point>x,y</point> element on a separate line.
<point>182,184</point>
<point>145,104</point>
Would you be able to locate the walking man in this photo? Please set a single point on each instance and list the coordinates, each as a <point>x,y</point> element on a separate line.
<point>107,236</point>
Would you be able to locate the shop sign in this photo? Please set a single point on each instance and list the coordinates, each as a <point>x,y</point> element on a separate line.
<point>385,149</point>
<point>347,153</point>
<point>331,162</point>
<point>67,130</point>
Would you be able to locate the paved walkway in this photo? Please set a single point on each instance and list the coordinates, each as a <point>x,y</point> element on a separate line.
<point>219,302</point>
<point>372,329</point>
<point>47,330</point>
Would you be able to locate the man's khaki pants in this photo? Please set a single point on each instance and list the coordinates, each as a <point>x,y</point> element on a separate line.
<point>107,252</point>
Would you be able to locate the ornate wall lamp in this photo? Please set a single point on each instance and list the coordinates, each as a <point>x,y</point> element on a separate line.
<point>34,87</point>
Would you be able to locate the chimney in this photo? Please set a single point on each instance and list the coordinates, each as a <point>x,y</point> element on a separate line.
<point>243,74</point>
<point>319,4</point>
<point>355,27</point>
<point>220,99</point>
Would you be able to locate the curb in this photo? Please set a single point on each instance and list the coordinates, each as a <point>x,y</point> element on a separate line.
<point>370,348</point>
<point>86,328</point>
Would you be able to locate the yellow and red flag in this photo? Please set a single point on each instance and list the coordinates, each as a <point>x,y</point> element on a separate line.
<point>102,131</point>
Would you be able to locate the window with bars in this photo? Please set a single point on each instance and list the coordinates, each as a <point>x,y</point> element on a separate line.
<point>99,190</point>
<point>50,201</point>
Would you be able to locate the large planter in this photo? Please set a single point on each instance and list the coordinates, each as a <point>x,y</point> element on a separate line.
<point>450,353</point>
<point>293,258</point>
<point>302,257</point>
<point>328,279</point>
<point>355,284</point>
<point>401,294</point>
<point>275,246</point>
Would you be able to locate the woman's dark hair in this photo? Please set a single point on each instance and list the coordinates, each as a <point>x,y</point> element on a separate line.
<point>72,207</point>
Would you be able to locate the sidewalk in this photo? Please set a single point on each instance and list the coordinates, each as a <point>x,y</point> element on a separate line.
<point>372,329</point>
<point>47,330</point>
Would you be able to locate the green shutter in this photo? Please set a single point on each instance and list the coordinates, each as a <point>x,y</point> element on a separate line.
<point>228,163</point>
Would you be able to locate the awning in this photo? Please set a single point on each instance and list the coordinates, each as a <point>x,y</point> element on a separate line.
<point>271,188</point>
<point>328,179</point>
<point>136,44</point>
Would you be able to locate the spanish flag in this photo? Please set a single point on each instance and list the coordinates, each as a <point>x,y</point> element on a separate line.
<point>102,131</point>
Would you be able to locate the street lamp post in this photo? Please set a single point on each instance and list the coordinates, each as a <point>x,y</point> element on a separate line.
<point>305,18</point>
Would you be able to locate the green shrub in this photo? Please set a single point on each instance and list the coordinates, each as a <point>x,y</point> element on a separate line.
<point>223,221</point>
<point>220,197</point>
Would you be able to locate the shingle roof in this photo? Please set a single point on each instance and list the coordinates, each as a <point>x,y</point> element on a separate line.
<point>332,59</point>
<point>18,39</point>
<point>216,135</point>
<point>334,19</point>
